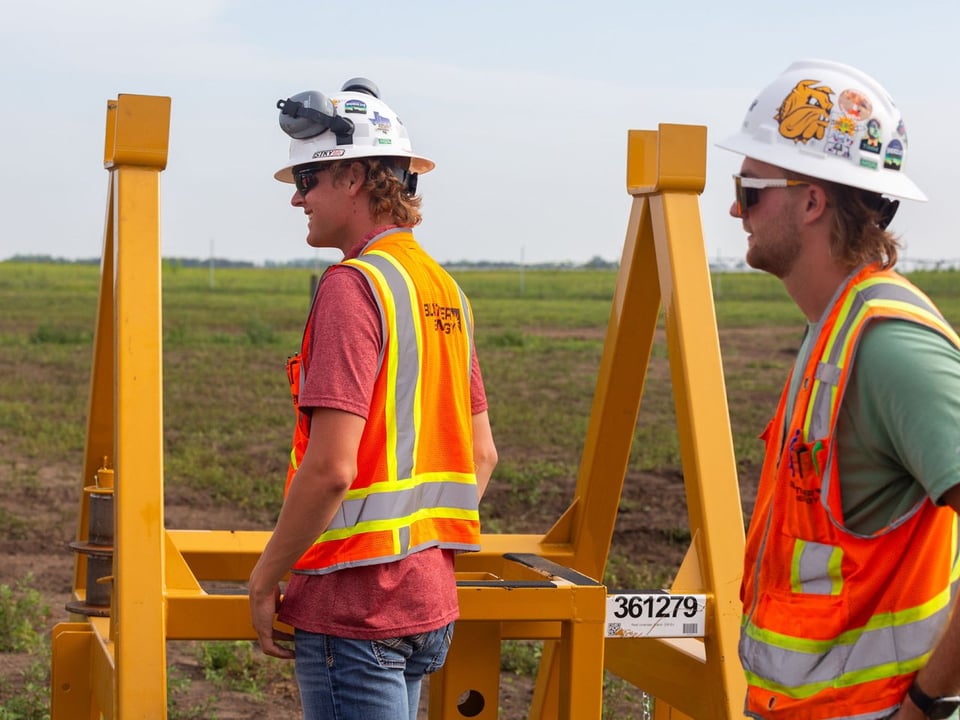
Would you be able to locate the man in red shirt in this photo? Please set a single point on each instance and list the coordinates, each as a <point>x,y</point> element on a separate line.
<point>393,446</point>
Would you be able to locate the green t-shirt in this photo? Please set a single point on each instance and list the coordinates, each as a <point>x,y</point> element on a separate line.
<point>898,435</point>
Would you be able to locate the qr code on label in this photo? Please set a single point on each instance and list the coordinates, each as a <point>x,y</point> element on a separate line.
<point>614,629</point>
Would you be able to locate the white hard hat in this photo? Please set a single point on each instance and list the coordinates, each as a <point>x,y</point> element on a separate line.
<point>354,123</point>
<point>829,121</point>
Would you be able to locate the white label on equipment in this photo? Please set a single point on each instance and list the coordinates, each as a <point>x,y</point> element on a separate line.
<point>654,614</point>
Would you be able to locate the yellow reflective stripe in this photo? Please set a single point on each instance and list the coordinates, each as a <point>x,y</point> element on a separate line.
<point>409,483</point>
<point>293,458</point>
<point>835,570</point>
<point>849,679</point>
<point>391,364</point>
<point>795,583</point>
<point>910,307</point>
<point>418,329</point>
<point>397,523</point>
<point>877,622</point>
<point>955,573</point>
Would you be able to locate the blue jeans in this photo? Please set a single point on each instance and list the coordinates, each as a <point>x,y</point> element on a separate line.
<point>344,679</point>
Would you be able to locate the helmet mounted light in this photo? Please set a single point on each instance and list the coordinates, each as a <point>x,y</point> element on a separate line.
<point>311,113</point>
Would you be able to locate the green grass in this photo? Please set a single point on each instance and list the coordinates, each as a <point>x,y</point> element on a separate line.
<point>227,414</point>
<point>23,618</point>
<point>23,615</point>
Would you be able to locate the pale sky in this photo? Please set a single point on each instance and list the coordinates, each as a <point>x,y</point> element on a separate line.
<point>524,106</point>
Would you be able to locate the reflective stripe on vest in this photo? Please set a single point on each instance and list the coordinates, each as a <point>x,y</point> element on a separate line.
<point>815,644</point>
<point>402,501</point>
<point>404,363</point>
<point>871,295</point>
<point>799,668</point>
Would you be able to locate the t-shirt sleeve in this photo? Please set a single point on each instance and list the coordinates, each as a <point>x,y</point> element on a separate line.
<point>909,382</point>
<point>345,346</point>
<point>478,394</point>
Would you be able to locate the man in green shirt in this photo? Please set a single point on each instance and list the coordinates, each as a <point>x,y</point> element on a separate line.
<point>851,555</point>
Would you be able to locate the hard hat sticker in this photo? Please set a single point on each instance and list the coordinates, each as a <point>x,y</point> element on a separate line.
<point>323,154</point>
<point>840,139</point>
<point>380,123</point>
<point>805,112</point>
<point>902,132</point>
<point>355,106</point>
<point>871,141</point>
<point>856,104</point>
<point>894,157</point>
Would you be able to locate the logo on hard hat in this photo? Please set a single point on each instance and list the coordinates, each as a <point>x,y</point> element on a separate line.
<point>321,154</point>
<point>380,123</point>
<point>805,113</point>
<point>893,160</point>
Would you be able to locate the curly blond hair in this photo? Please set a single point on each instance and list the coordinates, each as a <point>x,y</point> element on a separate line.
<point>388,195</point>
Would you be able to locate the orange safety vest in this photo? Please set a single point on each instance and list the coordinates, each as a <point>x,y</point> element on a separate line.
<point>416,484</point>
<point>836,624</point>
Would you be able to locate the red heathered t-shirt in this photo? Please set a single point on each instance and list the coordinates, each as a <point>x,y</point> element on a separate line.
<point>413,595</point>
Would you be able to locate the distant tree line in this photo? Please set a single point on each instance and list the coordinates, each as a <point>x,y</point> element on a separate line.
<point>595,263</point>
<point>719,264</point>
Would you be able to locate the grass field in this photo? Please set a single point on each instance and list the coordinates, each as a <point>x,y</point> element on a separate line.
<point>228,416</point>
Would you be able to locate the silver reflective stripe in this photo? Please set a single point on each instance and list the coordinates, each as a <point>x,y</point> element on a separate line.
<point>897,293</point>
<point>829,370</point>
<point>408,358</point>
<point>823,391</point>
<point>818,569</point>
<point>894,646</point>
<point>876,715</point>
<point>828,373</point>
<point>400,504</point>
<point>468,321</point>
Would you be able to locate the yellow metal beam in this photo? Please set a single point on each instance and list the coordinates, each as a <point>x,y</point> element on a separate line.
<point>127,658</point>
<point>138,609</point>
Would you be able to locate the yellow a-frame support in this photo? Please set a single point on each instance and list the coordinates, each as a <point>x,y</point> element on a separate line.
<point>666,172</point>
<point>663,259</point>
<point>113,664</point>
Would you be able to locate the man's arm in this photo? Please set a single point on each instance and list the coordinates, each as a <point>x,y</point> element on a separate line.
<point>941,675</point>
<point>326,472</point>
<point>484,450</point>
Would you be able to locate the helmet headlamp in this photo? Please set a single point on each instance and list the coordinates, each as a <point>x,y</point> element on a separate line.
<point>311,113</point>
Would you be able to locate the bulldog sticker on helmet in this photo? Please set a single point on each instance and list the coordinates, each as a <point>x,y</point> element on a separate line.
<point>805,113</point>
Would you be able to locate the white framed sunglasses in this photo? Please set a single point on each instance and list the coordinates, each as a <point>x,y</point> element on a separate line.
<point>748,189</point>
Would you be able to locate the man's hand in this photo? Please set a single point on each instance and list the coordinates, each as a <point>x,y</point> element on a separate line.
<point>263,606</point>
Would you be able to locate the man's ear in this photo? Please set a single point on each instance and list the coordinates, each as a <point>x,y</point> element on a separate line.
<point>816,202</point>
<point>355,177</point>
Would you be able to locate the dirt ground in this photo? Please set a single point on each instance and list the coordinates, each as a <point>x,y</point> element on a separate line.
<point>653,507</point>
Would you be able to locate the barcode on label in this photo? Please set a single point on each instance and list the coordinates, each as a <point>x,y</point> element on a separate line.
<point>690,628</point>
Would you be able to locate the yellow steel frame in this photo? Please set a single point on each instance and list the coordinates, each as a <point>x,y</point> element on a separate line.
<point>663,260</point>
<point>518,586</point>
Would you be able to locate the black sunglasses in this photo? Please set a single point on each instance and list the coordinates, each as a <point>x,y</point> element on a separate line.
<point>748,189</point>
<point>306,179</point>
